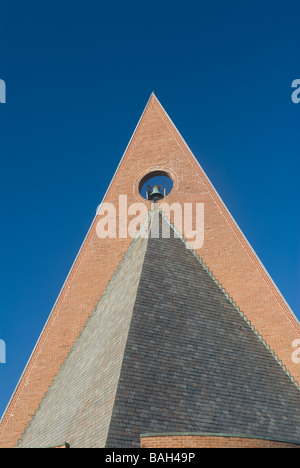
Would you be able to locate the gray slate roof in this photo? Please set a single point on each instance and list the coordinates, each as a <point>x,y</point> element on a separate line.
<point>77,408</point>
<point>165,351</point>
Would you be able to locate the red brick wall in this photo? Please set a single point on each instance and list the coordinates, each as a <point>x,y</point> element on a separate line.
<point>209,441</point>
<point>156,145</point>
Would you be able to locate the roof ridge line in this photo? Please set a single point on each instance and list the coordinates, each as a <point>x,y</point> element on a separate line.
<point>230,219</point>
<point>241,313</point>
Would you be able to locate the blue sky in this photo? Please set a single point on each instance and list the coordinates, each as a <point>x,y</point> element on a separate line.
<point>78,77</point>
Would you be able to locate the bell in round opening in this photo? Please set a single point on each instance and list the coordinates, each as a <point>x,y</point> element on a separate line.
<point>155,193</point>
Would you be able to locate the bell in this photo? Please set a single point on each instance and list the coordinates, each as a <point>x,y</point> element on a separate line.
<point>154,193</point>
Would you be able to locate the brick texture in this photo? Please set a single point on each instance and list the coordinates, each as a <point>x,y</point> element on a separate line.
<point>210,441</point>
<point>155,145</point>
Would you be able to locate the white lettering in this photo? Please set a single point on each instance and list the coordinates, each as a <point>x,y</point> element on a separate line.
<point>194,236</point>
<point>296,93</point>
<point>191,216</point>
<point>296,354</point>
<point>2,352</point>
<point>2,92</point>
<point>136,223</point>
<point>106,226</point>
<point>115,458</point>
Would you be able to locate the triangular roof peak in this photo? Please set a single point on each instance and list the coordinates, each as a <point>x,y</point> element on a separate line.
<point>155,147</point>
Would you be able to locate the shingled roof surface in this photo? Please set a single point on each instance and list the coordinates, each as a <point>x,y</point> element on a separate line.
<point>165,351</point>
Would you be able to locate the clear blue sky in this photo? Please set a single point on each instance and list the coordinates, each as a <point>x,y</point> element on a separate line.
<point>78,77</point>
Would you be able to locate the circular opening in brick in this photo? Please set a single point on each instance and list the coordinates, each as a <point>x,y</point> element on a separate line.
<point>159,178</point>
